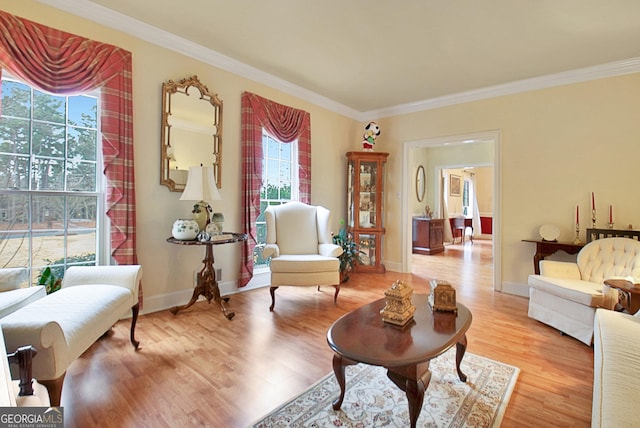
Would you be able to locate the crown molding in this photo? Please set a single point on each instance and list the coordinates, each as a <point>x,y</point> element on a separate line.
<point>602,71</point>
<point>109,18</point>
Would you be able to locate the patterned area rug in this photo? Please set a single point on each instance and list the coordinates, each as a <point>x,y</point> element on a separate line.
<point>372,400</point>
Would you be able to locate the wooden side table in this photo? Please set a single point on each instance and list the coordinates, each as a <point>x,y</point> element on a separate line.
<point>547,248</point>
<point>207,285</point>
<point>629,294</point>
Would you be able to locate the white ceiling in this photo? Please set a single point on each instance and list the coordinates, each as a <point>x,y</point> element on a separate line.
<point>368,56</point>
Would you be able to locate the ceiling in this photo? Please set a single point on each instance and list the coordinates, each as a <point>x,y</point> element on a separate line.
<point>369,55</point>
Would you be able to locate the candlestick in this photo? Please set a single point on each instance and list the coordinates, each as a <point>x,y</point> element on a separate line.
<point>577,240</point>
<point>593,218</point>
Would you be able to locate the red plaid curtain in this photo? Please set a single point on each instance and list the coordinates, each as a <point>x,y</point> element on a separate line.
<point>286,124</point>
<point>63,63</point>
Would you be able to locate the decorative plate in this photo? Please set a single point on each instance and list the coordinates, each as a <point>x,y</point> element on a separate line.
<point>549,232</point>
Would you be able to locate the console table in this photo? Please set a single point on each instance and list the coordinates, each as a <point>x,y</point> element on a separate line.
<point>547,248</point>
<point>207,285</point>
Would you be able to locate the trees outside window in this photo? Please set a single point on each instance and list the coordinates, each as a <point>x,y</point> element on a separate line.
<point>50,189</point>
<point>279,172</point>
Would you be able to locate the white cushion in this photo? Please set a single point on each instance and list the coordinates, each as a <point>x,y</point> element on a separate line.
<point>11,278</point>
<point>293,227</point>
<point>304,263</point>
<point>11,301</point>
<point>583,292</point>
<point>616,356</point>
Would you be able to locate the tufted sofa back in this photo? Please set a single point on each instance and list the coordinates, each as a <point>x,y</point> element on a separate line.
<point>609,257</point>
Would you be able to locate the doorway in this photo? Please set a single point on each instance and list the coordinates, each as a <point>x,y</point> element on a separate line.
<point>480,149</point>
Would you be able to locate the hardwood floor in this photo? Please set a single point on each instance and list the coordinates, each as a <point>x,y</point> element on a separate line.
<point>199,369</point>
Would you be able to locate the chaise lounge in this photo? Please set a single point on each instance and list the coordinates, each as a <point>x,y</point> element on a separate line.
<point>63,325</point>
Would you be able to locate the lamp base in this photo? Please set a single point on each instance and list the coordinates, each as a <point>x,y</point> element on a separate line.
<point>201,214</point>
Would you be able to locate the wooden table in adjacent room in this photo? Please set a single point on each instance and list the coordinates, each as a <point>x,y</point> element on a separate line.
<point>361,336</point>
<point>629,294</point>
<point>207,285</point>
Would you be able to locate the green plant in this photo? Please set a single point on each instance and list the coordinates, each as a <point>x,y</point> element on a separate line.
<point>349,256</point>
<point>48,279</point>
<point>51,276</point>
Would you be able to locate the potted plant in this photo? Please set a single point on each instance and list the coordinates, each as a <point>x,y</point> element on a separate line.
<point>48,279</point>
<point>349,256</point>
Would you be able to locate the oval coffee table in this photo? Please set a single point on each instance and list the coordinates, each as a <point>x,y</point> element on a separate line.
<point>362,337</point>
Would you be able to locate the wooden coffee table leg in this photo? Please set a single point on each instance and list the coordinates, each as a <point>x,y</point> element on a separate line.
<point>413,380</point>
<point>339,363</point>
<point>338,370</point>
<point>461,348</point>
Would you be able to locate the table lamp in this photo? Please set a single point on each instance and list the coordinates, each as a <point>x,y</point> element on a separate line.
<point>201,187</point>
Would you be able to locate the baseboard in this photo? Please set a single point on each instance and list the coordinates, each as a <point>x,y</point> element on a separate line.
<point>177,298</point>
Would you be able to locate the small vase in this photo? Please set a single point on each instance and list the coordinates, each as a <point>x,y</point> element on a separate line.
<point>217,224</point>
<point>185,229</point>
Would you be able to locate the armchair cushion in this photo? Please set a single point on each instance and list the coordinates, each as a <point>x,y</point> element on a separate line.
<point>11,278</point>
<point>12,295</point>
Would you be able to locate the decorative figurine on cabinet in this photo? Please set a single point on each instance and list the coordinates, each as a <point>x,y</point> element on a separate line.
<point>371,132</point>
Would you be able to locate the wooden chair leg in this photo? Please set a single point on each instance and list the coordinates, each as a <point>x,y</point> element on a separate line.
<point>134,310</point>
<point>272,291</point>
<point>54,388</point>
<point>335,296</point>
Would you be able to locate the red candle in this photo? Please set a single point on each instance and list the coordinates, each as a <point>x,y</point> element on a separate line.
<point>577,214</point>
<point>593,201</point>
<point>610,213</point>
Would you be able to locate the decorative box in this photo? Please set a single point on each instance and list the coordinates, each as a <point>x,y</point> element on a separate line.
<point>442,297</point>
<point>399,309</point>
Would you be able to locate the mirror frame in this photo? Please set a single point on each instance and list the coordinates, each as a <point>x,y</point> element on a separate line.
<point>169,89</point>
<point>420,183</point>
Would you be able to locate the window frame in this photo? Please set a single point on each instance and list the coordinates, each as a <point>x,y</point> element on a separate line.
<point>102,225</point>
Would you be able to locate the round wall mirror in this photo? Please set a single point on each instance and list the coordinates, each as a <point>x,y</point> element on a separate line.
<point>420,183</point>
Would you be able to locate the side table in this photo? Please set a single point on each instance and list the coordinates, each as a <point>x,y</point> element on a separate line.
<point>207,285</point>
<point>547,248</point>
<point>629,294</point>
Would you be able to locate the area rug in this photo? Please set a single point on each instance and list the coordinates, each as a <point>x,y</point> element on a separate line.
<point>372,400</point>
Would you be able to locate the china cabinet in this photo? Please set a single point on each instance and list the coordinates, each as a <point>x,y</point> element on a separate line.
<point>365,202</point>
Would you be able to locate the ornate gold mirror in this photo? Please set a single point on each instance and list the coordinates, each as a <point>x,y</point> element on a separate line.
<point>191,132</point>
<point>420,183</point>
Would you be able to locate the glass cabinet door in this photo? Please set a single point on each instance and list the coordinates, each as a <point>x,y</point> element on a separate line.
<point>365,206</point>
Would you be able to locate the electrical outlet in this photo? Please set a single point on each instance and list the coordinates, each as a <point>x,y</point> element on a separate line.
<point>195,278</point>
<point>218,274</point>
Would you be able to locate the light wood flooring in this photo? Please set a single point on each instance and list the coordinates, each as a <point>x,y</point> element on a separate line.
<point>199,369</point>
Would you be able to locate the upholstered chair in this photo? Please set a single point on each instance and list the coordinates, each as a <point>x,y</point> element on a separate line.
<point>300,246</point>
<point>566,295</point>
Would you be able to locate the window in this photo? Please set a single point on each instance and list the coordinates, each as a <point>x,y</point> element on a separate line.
<point>50,189</point>
<point>279,178</point>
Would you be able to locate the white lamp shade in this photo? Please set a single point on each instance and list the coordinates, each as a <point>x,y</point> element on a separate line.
<point>201,186</point>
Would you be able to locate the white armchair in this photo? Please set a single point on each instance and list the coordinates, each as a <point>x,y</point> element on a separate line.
<point>300,246</point>
<point>566,295</point>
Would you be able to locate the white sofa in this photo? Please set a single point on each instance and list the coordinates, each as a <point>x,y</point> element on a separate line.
<point>301,248</point>
<point>566,295</point>
<point>616,369</point>
<point>13,292</point>
<point>64,324</point>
